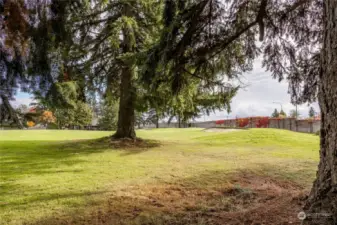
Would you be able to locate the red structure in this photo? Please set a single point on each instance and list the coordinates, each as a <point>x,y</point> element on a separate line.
<point>243,122</point>
<point>262,122</point>
<point>269,122</point>
<point>219,122</point>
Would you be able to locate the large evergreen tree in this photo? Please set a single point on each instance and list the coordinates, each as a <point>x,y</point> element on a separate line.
<point>115,35</point>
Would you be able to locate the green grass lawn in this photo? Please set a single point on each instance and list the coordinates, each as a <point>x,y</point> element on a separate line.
<point>78,177</point>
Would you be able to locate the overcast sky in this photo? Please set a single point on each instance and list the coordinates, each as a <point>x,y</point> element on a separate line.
<point>255,100</point>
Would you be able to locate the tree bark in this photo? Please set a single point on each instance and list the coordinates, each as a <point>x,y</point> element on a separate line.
<point>126,113</point>
<point>13,115</point>
<point>157,120</point>
<point>321,206</point>
<point>169,120</point>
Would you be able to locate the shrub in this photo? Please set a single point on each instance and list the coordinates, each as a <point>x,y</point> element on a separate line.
<point>52,126</point>
<point>47,117</point>
<point>30,124</point>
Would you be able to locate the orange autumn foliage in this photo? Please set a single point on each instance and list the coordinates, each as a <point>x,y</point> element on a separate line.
<point>30,124</point>
<point>47,117</point>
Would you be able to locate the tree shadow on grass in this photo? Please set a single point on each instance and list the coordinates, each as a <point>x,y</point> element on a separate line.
<point>131,147</point>
<point>214,197</point>
<point>20,160</point>
<point>36,157</point>
<point>126,146</point>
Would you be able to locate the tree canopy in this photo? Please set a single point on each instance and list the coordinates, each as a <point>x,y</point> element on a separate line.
<point>199,35</point>
<point>294,114</point>
<point>312,112</point>
<point>282,113</point>
<point>275,114</point>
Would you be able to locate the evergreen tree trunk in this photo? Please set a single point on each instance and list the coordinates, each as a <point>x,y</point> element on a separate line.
<point>12,113</point>
<point>323,197</point>
<point>157,120</point>
<point>126,113</point>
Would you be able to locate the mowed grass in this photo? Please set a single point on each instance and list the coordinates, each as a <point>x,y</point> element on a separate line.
<point>80,177</point>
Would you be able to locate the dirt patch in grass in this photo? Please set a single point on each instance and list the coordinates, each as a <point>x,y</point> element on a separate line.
<point>94,145</point>
<point>238,199</point>
<point>137,143</point>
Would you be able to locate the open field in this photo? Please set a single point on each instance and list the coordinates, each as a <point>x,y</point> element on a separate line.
<point>175,176</point>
